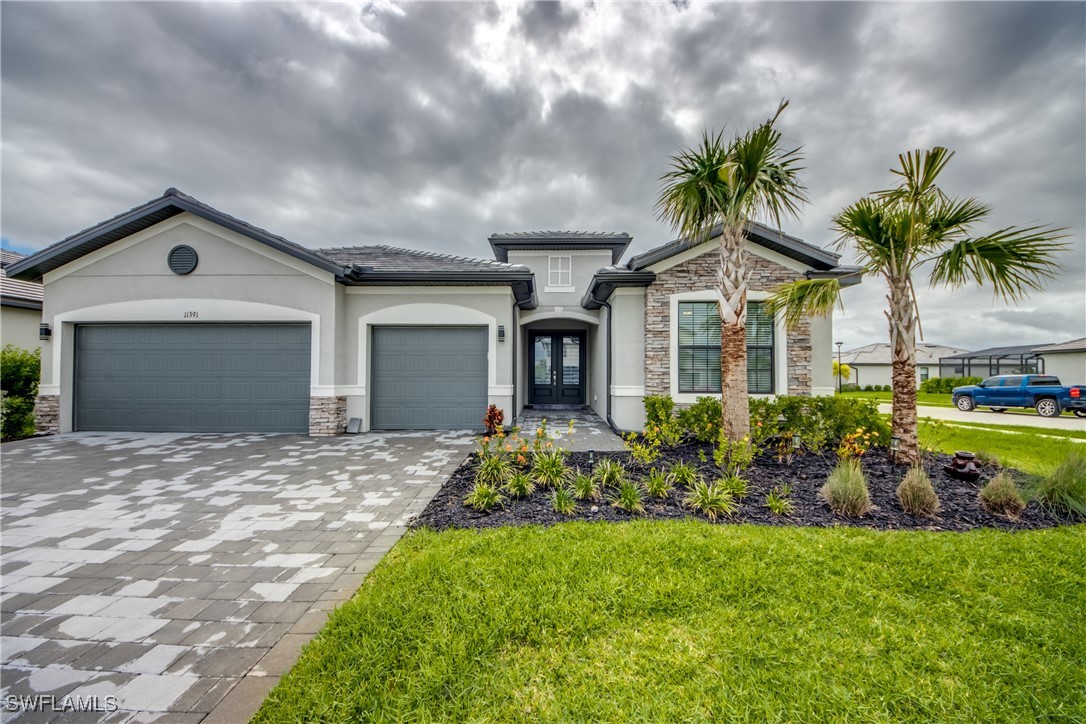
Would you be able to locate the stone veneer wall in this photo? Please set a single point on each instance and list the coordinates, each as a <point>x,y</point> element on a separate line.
<point>327,416</point>
<point>47,414</point>
<point>700,273</point>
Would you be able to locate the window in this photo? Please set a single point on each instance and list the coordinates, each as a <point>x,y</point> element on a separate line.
<point>924,374</point>
<point>558,271</point>
<point>699,348</point>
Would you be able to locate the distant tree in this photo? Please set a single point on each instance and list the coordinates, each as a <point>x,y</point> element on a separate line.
<point>727,184</point>
<point>844,369</point>
<point>897,232</point>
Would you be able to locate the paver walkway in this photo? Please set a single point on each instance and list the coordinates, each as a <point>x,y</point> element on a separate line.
<point>590,431</point>
<point>175,577</point>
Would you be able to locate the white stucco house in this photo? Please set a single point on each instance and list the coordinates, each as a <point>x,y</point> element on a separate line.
<point>20,306</point>
<point>872,364</point>
<point>1066,360</point>
<point>174,316</point>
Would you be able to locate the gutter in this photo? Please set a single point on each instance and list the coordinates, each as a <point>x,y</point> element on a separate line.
<point>848,275</point>
<point>605,281</point>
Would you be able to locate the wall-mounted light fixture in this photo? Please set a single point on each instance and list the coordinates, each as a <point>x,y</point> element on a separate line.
<point>501,332</point>
<point>45,332</point>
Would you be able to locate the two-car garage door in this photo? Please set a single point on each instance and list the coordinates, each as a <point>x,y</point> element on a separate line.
<point>192,377</point>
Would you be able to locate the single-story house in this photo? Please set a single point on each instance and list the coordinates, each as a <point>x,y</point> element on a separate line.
<point>1066,360</point>
<point>872,363</point>
<point>20,306</point>
<point>174,316</point>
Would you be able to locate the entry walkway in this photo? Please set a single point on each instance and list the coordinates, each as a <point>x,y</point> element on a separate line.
<point>590,431</point>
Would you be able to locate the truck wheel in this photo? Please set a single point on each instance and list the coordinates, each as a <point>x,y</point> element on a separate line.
<point>1079,413</point>
<point>964,403</point>
<point>1048,407</point>
<point>998,409</point>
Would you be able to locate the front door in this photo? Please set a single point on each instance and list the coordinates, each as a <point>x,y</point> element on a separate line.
<point>557,373</point>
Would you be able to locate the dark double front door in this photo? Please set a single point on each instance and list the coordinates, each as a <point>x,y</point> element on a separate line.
<point>557,375</point>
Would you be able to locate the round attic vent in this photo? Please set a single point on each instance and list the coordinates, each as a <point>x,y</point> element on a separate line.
<point>182,259</point>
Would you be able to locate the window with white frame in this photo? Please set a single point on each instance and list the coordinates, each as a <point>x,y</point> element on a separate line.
<point>558,271</point>
<point>699,348</point>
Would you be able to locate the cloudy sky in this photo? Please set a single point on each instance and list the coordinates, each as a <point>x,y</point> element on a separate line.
<point>434,125</point>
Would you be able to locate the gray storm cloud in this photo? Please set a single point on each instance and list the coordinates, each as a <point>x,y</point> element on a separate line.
<point>432,125</point>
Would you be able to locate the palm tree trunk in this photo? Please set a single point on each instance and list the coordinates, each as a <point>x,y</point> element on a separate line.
<point>732,297</point>
<point>902,317</point>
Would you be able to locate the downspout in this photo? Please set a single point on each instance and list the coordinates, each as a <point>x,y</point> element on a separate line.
<point>516,372</point>
<point>610,422</point>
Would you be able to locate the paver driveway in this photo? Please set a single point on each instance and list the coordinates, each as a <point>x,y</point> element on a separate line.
<point>176,576</point>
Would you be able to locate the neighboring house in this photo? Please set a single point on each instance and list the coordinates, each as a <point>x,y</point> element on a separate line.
<point>1066,360</point>
<point>175,316</point>
<point>872,363</point>
<point>20,306</point>
<point>1013,360</point>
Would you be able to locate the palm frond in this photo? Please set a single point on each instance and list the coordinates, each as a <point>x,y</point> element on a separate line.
<point>692,198</point>
<point>1014,261</point>
<point>805,297</point>
<point>872,226</point>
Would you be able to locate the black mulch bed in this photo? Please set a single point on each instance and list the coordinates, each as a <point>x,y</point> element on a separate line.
<point>961,508</point>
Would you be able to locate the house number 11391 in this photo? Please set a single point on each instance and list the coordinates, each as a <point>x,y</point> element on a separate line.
<point>191,315</point>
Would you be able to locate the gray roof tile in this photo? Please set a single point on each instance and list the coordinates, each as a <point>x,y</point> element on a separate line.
<point>393,259</point>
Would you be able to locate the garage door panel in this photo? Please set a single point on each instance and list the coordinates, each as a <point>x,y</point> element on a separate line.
<point>193,378</point>
<point>426,378</point>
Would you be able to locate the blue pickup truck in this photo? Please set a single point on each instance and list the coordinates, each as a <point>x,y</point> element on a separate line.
<point>1044,393</point>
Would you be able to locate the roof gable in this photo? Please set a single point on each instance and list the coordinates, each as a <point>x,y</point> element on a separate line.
<point>812,256</point>
<point>144,216</point>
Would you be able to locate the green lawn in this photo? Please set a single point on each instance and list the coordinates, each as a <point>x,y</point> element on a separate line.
<point>922,398</point>
<point>1026,448</point>
<point>689,621</point>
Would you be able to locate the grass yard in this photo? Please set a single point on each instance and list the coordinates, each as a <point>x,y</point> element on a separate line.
<point>922,398</point>
<point>1027,448</point>
<point>689,621</point>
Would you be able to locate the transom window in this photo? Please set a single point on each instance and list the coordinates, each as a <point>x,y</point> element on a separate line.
<point>699,348</point>
<point>558,268</point>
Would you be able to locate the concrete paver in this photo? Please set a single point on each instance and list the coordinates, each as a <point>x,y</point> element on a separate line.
<point>177,577</point>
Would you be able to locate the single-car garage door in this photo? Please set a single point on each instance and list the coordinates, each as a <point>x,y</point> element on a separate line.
<point>192,377</point>
<point>428,378</point>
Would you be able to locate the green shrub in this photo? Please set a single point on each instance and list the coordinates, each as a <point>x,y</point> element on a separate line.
<point>682,474</point>
<point>712,500</point>
<point>846,489</point>
<point>733,456</point>
<point>549,469</point>
<point>585,487</point>
<point>609,472</point>
<point>945,385</point>
<point>644,449</point>
<point>702,420</point>
<point>916,494</point>
<point>1064,491</point>
<point>628,496</point>
<point>656,484</point>
<point>519,485</point>
<point>987,457</point>
<point>563,502</point>
<point>736,486</point>
<point>1001,496</point>
<point>20,371</point>
<point>820,421</point>
<point>493,471</point>
<point>484,497</point>
<point>658,409</point>
<point>16,418</point>
<point>779,502</point>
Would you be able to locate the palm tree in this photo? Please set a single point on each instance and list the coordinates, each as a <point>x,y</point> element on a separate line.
<point>726,184</point>
<point>900,230</point>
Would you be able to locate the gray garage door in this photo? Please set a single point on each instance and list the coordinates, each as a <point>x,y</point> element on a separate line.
<point>192,377</point>
<point>428,378</point>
